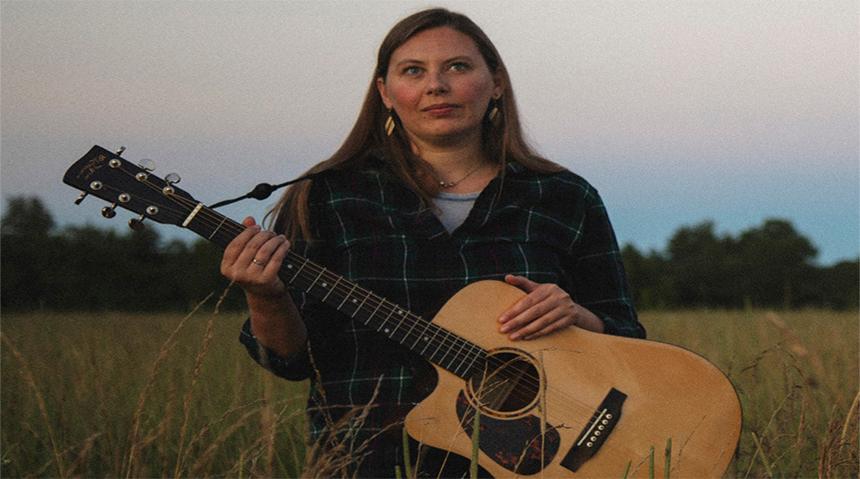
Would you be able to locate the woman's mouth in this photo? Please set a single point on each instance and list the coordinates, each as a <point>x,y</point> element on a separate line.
<point>440,109</point>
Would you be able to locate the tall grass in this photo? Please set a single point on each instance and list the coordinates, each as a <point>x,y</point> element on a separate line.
<point>128,395</point>
<point>796,374</point>
<point>142,396</point>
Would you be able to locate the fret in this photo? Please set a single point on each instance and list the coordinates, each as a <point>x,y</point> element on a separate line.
<point>385,321</point>
<point>333,287</point>
<point>315,281</point>
<point>223,219</point>
<point>406,336</point>
<point>447,350</point>
<point>435,333</point>
<point>299,271</point>
<point>469,351</point>
<point>360,305</point>
<point>422,335</point>
<point>215,234</point>
<point>340,306</point>
<point>467,354</point>
<point>456,355</point>
<point>475,355</point>
<point>375,310</point>
<point>353,302</point>
<point>399,313</point>
<point>472,354</point>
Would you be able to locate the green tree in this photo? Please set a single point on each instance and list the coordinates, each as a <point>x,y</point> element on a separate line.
<point>649,277</point>
<point>776,260</point>
<point>836,286</point>
<point>27,253</point>
<point>702,267</point>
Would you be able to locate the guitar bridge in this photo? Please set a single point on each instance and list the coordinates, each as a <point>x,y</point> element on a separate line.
<point>596,431</point>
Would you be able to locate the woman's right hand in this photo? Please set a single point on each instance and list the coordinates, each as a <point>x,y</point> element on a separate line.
<point>252,260</point>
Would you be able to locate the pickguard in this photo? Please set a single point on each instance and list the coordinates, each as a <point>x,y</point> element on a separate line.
<point>514,444</point>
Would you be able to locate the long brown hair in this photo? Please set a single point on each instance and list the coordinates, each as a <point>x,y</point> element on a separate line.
<point>502,138</point>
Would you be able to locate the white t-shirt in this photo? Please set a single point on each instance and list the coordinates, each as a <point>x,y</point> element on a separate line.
<point>453,208</point>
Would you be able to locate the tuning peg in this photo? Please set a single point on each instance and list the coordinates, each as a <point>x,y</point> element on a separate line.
<point>172,178</point>
<point>137,223</point>
<point>84,194</point>
<point>146,164</point>
<point>109,211</point>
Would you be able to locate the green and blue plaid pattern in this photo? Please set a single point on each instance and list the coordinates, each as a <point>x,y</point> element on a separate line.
<point>551,228</point>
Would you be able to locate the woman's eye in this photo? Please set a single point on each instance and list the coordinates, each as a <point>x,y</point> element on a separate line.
<point>411,71</point>
<point>459,66</point>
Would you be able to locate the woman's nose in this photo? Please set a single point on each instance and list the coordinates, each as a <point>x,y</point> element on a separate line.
<point>437,84</point>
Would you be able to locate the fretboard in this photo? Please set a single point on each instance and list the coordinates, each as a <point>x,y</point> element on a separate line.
<point>439,346</point>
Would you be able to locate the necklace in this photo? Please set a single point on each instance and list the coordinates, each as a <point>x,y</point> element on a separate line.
<point>451,184</point>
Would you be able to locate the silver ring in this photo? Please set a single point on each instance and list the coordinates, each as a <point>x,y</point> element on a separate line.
<point>258,262</point>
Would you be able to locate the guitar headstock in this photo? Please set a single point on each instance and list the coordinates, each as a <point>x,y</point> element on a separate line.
<point>105,174</point>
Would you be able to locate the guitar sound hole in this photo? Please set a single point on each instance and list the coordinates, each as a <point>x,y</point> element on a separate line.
<point>510,384</point>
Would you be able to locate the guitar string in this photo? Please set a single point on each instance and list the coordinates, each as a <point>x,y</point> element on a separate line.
<point>473,353</point>
<point>564,401</point>
<point>449,340</point>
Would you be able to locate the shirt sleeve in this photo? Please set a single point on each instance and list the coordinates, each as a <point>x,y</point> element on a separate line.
<point>295,368</point>
<point>597,272</point>
<point>320,320</point>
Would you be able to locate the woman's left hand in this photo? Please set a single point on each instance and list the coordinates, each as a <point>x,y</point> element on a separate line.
<point>546,308</point>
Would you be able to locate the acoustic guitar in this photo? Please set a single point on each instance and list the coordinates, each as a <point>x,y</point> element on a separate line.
<point>571,404</point>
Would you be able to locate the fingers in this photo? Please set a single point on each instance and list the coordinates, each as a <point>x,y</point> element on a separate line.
<point>253,260</point>
<point>542,326</point>
<point>259,249</point>
<point>274,261</point>
<point>536,295</point>
<point>237,245</point>
<point>545,309</point>
<point>521,282</point>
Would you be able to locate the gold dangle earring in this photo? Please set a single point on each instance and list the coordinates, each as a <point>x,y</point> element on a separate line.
<point>494,111</point>
<point>389,124</point>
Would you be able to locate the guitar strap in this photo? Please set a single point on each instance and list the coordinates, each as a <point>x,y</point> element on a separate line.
<point>264,190</point>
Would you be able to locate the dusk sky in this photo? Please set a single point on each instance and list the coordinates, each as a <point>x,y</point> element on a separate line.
<point>678,112</point>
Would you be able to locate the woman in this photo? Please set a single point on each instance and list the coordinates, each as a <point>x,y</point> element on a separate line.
<point>433,189</point>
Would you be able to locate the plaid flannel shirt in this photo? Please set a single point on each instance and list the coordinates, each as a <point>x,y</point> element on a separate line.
<point>551,228</point>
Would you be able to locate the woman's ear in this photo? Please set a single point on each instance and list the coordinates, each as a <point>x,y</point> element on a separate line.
<point>380,86</point>
<point>498,86</point>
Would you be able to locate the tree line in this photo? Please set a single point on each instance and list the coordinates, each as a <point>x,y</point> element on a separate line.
<point>89,268</point>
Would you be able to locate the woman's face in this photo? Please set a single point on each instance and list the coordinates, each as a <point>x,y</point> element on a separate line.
<point>440,86</point>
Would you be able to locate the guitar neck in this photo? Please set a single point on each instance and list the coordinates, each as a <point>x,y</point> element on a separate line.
<point>437,345</point>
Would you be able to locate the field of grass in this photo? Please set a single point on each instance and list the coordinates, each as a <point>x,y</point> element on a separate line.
<point>126,395</point>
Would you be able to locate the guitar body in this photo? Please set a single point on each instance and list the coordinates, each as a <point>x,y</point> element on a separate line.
<point>670,392</point>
